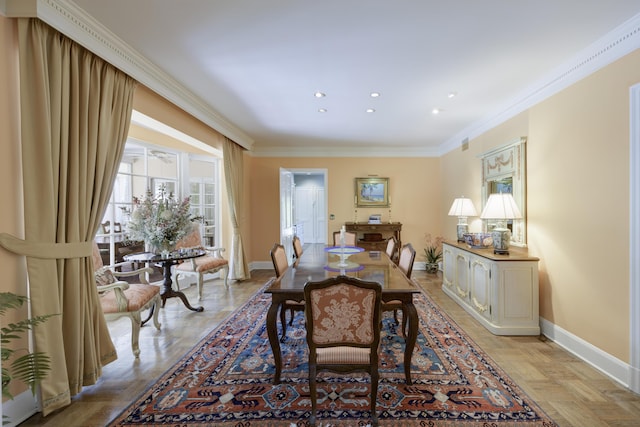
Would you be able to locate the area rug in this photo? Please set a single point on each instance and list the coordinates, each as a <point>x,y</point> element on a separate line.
<point>226,380</point>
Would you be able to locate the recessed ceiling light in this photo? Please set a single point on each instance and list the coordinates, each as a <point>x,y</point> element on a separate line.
<point>436,111</point>
<point>453,94</point>
<point>370,110</point>
<point>375,94</point>
<point>322,110</point>
<point>319,95</point>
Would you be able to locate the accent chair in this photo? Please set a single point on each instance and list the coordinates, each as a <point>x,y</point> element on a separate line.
<point>210,263</point>
<point>119,298</point>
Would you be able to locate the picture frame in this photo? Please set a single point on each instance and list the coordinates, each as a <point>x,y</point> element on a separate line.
<point>372,192</point>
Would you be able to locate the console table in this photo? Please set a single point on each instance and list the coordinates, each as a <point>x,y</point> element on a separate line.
<point>499,291</point>
<point>384,230</point>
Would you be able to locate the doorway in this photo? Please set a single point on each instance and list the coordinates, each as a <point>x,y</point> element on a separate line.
<point>307,210</point>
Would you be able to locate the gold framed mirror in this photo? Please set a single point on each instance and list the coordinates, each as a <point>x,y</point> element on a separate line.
<point>503,171</point>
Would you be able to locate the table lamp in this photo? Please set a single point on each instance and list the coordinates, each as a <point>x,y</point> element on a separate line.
<point>501,207</point>
<point>462,208</point>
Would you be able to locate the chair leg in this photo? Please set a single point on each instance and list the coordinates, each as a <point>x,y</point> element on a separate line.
<point>135,332</point>
<point>225,271</point>
<point>200,286</point>
<point>175,281</point>
<point>374,396</point>
<point>156,309</point>
<point>313,393</point>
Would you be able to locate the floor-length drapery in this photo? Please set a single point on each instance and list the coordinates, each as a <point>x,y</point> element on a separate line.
<point>233,173</point>
<point>75,115</point>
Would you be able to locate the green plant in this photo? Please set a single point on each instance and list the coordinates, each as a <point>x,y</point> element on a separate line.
<point>433,249</point>
<point>29,368</point>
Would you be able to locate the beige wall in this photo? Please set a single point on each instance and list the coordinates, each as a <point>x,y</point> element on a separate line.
<point>577,200</point>
<point>414,188</point>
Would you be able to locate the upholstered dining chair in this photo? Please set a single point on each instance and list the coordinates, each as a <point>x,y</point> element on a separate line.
<point>119,298</point>
<point>405,264</point>
<point>349,238</point>
<point>342,318</point>
<point>297,247</point>
<point>392,246</point>
<point>210,263</point>
<point>280,265</point>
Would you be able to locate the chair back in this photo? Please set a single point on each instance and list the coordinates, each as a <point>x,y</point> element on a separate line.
<point>297,247</point>
<point>97,259</point>
<point>405,262</point>
<point>391,247</point>
<point>279,259</point>
<point>191,240</point>
<point>343,312</point>
<point>349,238</point>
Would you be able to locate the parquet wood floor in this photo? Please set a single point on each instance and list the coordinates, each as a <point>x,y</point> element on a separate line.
<point>570,391</point>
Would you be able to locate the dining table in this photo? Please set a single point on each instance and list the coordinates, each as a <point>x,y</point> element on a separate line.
<point>319,263</point>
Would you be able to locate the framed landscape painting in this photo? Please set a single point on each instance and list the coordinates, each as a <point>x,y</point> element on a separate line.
<point>372,192</point>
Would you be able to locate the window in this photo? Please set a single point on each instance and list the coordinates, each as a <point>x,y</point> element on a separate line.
<point>149,167</point>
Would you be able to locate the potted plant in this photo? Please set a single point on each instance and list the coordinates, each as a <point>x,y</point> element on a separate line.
<point>432,253</point>
<point>27,367</point>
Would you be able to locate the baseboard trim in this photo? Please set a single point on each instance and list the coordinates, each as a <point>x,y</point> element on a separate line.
<point>604,362</point>
<point>20,408</point>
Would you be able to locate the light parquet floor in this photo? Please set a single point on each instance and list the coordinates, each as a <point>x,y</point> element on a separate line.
<point>570,391</point>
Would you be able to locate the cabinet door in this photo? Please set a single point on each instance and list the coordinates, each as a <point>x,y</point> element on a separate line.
<point>480,286</point>
<point>448,266</point>
<point>462,275</point>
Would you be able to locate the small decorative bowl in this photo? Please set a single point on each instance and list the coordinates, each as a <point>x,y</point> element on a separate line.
<point>478,240</point>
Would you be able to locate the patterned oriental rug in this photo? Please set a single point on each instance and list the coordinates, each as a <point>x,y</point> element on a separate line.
<point>226,380</point>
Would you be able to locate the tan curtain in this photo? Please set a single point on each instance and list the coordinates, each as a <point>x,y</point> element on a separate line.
<point>75,112</point>
<point>233,173</point>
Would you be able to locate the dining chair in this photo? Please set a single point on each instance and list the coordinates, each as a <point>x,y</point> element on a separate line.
<point>210,263</point>
<point>118,298</point>
<point>280,265</point>
<point>405,264</point>
<point>297,247</point>
<point>392,246</point>
<point>342,318</point>
<point>349,238</point>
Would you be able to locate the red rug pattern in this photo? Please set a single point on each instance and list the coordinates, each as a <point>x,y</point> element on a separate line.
<point>225,380</point>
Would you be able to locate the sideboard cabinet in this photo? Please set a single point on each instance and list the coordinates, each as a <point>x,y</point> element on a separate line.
<point>500,291</point>
<point>380,232</point>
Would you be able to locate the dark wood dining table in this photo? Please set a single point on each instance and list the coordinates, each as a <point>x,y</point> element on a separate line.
<point>319,263</point>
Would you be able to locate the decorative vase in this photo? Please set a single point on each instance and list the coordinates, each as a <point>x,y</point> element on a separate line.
<point>431,267</point>
<point>165,248</point>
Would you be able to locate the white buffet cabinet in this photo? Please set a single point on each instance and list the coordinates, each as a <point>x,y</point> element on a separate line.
<point>500,291</point>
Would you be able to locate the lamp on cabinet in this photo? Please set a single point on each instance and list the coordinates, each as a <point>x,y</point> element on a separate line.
<point>462,208</point>
<point>501,207</point>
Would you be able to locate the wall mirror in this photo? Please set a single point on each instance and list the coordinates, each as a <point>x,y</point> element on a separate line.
<point>503,171</point>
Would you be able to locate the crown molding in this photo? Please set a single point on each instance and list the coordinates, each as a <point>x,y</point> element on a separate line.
<point>617,43</point>
<point>344,152</point>
<point>72,21</point>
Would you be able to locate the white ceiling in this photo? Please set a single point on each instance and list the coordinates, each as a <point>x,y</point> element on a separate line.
<point>257,63</point>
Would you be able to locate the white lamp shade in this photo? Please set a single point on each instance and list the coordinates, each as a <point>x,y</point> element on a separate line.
<point>462,207</point>
<point>501,206</point>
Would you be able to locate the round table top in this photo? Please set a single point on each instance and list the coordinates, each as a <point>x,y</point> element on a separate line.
<point>173,256</point>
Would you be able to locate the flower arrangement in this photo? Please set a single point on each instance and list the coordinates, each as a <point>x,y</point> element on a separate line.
<point>432,252</point>
<point>160,220</point>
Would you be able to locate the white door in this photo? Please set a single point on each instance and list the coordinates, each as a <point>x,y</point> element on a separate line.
<point>287,229</point>
<point>309,210</point>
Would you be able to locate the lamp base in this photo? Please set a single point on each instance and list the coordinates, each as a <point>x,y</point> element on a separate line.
<point>501,238</point>
<point>462,229</point>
